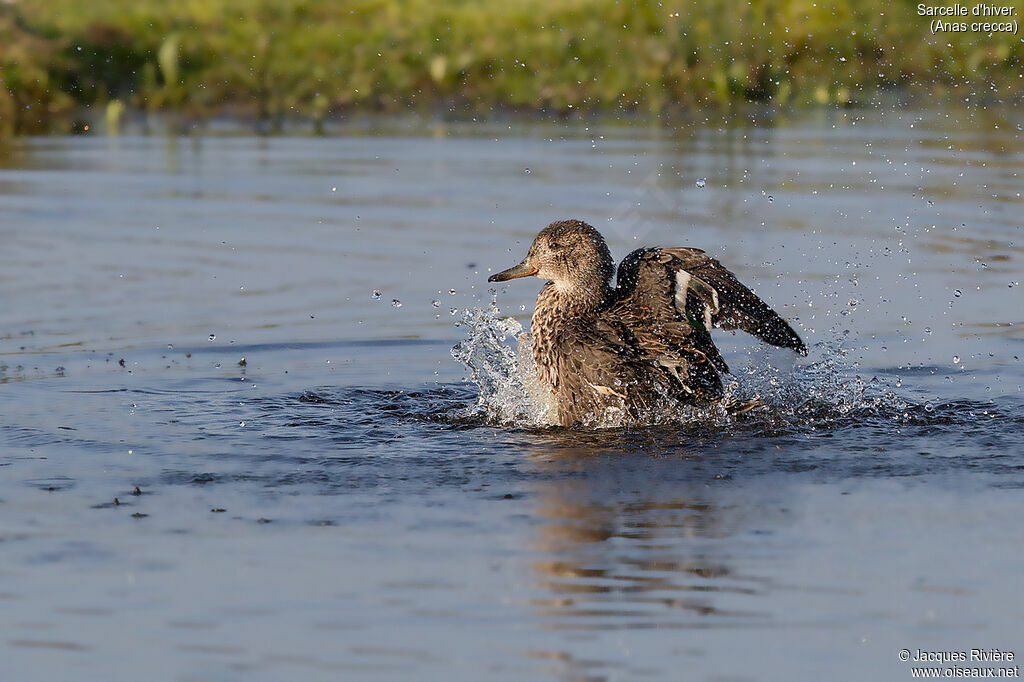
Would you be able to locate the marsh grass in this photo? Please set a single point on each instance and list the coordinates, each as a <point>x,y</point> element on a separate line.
<point>272,60</point>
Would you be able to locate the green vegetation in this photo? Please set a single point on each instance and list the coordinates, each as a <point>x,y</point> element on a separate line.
<point>29,97</point>
<point>276,59</point>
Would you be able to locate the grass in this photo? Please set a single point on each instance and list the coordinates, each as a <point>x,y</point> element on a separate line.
<point>276,59</point>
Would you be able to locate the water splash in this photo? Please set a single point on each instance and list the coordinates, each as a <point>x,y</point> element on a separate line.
<point>509,392</point>
<point>824,391</point>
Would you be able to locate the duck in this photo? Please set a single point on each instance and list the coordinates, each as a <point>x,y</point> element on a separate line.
<point>621,353</point>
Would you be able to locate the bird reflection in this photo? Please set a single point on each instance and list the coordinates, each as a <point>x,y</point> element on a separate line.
<point>630,539</point>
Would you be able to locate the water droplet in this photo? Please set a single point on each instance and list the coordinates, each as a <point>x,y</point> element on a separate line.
<point>395,303</point>
<point>526,171</point>
<point>958,293</point>
<point>701,183</point>
<point>928,407</point>
<point>436,303</point>
<point>213,337</point>
<point>170,346</point>
<point>852,303</point>
<point>927,330</point>
<point>956,359</point>
<point>454,311</point>
<point>770,198</point>
<point>376,295</point>
<point>452,292</point>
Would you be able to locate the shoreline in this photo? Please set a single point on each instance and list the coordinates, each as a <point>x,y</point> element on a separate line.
<point>96,121</point>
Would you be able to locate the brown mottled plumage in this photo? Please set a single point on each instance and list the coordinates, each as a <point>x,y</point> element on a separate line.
<point>628,351</point>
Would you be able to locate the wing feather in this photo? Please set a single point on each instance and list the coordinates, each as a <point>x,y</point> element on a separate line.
<point>687,283</point>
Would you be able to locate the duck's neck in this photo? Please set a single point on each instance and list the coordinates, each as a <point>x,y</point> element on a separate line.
<point>556,308</point>
<point>554,302</point>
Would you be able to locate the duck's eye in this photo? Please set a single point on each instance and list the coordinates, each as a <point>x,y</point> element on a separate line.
<point>555,245</point>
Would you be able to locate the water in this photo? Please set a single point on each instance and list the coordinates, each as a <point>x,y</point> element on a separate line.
<point>339,505</point>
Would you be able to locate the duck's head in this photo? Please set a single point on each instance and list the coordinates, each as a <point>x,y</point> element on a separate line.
<point>571,254</point>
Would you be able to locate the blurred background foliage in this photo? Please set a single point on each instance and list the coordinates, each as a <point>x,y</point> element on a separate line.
<point>273,61</point>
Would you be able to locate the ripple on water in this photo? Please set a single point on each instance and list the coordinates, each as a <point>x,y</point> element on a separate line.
<point>419,524</point>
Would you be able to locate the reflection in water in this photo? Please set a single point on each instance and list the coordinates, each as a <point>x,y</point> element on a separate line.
<point>624,547</point>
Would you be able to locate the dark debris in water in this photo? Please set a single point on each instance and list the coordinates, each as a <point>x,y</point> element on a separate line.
<point>52,485</point>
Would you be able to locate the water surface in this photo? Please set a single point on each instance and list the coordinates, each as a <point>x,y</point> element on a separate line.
<point>333,507</point>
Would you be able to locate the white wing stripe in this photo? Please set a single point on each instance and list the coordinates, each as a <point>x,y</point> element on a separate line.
<point>682,287</point>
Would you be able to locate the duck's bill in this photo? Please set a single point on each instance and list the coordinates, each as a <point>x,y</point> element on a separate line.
<point>521,270</point>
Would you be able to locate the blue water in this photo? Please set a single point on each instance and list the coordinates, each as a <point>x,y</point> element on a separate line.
<point>337,506</point>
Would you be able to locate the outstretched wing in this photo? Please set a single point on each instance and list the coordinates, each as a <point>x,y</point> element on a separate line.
<point>690,284</point>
